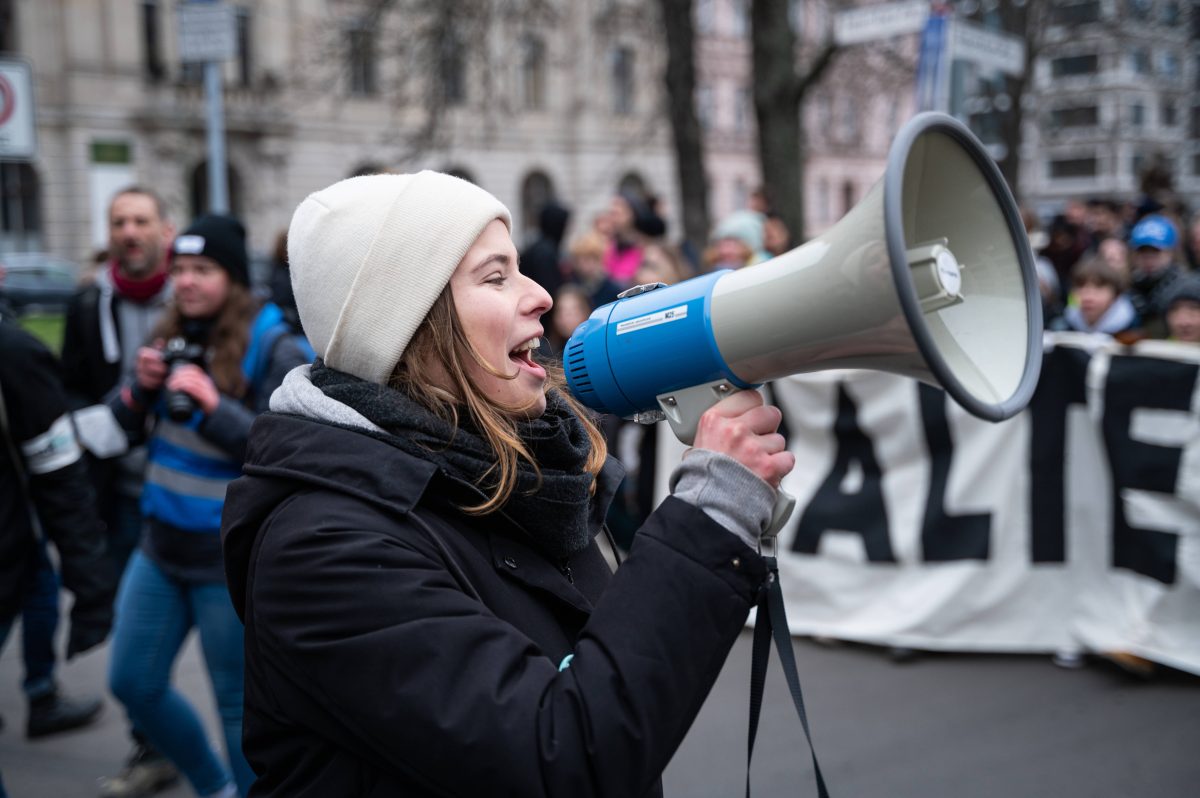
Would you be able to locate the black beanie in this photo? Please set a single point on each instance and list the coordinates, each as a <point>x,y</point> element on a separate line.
<point>221,238</point>
<point>1186,288</point>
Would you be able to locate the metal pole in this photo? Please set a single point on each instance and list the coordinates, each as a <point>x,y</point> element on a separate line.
<point>218,191</point>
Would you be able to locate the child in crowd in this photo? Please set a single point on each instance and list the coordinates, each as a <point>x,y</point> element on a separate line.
<point>1183,311</point>
<point>1098,302</point>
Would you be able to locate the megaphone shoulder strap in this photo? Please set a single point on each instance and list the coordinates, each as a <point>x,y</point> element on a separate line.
<point>771,622</point>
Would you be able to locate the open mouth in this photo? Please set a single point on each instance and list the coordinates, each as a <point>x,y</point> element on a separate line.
<point>523,355</point>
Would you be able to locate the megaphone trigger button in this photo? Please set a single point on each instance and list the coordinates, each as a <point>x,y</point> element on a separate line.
<point>640,289</point>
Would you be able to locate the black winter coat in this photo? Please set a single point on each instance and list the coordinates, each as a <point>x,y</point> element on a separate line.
<point>395,646</point>
<point>41,469</point>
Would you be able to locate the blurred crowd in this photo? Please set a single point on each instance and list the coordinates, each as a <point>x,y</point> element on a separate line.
<point>170,350</point>
<point>1121,269</point>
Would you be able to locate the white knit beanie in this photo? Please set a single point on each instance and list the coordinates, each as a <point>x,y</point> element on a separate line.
<point>370,255</point>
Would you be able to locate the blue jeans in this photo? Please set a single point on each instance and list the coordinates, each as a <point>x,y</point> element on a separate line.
<point>39,621</point>
<point>154,614</point>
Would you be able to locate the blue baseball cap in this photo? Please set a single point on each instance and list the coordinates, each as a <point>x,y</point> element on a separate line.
<point>1153,231</point>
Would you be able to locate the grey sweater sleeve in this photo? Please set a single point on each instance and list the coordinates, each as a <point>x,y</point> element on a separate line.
<point>727,492</point>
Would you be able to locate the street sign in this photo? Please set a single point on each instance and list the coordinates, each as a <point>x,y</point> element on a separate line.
<point>988,48</point>
<point>18,135</point>
<point>857,25</point>
<point>206,32</point>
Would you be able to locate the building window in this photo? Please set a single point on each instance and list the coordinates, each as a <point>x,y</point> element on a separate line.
<point>739,23</point>
<point>796,17</point>
<point>1080,116</point>
<point>1138,9</point>
<point>824,108</point>
<point>152,60</point>
<point>1076,13</point>
<point>8,27</point>
<point>1170,14</point>
<point>536,190</point>
<point>453,69</point>
<point>1073,167</point>
<point>368,168</point>
<point>1137,115</point>
<point>1169,114</point>
<point>1140,60</point>
<point>360,61</point>
<point>622,80</point>
<point>824,211</point>
<point>1196,164</point>
<point>848,198</point>
<point>1168,65</point>
<point>704,106</point>
<point>20,220</point>
<point>1194,128</point>
<point>245,41</point>
<point>533,74</point>
<point>198,190</point>
<point>1136,164</point>
<point>462,173</point>
<point>1075,65</point>
<point>849,124</point>
<point>743,110</point>
<point>705,15</point>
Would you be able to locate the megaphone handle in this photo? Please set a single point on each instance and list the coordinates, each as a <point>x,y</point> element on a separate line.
<point>683,409</point>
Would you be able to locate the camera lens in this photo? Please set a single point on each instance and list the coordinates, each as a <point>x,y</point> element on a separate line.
<point>180,406</point>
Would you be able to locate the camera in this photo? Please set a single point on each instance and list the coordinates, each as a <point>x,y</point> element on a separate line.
<point>180,352</point>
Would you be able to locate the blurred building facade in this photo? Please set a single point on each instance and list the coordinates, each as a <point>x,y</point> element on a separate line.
<point>1115,91</point>
<point>568,104</point>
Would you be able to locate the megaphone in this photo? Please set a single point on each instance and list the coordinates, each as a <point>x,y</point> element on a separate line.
<point>931,276</point>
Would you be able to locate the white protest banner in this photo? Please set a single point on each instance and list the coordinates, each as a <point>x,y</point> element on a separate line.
<point>1074,525</point>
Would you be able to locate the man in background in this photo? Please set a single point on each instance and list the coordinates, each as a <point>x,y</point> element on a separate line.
<point>107,321</point>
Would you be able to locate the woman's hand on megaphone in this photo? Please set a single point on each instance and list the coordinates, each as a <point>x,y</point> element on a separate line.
<point>741,426</point>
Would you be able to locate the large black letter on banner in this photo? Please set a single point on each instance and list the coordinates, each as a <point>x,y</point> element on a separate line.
<point>1143,382</point>
<point>946,537</point>
<point>1062,384</point>
<point>863,512</point>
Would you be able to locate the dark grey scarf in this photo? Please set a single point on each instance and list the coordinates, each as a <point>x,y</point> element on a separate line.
<point>554,514</point>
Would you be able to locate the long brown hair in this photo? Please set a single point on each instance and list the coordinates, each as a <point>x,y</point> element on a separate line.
<point>439,350</point>
<point>227,342</point>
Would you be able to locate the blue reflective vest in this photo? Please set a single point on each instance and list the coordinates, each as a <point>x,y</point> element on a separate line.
<point>186,474</point>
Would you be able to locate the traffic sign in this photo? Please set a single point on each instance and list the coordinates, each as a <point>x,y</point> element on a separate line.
<point>988,48</point>
<point>857,25</point>
<point>206,32</point>
<point>18,134</point>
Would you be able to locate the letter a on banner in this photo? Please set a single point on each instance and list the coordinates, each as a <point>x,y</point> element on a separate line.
<point>840,504</point>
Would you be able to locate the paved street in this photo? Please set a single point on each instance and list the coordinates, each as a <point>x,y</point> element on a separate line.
<point>944,726</point>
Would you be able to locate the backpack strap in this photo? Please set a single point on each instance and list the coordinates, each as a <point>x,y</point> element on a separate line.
<point>269,327</point>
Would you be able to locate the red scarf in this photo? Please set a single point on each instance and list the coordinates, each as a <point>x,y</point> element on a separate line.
<point>139,291</point>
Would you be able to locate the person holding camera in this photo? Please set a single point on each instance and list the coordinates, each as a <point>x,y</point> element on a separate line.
<point>414,548</point>
<point>216,359</point>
